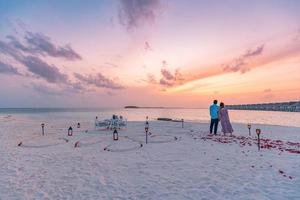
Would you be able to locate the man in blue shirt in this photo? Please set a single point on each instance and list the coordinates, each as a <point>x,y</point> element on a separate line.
<point>214,109</point>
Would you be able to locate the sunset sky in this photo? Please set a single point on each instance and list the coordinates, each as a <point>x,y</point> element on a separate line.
<point>112,53</point>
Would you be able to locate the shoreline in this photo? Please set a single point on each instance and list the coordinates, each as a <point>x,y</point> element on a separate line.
<point>12,118</point>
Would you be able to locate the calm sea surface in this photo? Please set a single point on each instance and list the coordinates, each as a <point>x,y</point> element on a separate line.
<point>199,115</point>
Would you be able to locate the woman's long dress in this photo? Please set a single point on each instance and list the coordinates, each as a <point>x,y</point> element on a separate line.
<point>225,122</point>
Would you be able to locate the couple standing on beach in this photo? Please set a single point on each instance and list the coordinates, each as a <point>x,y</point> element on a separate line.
<point>219,113</point>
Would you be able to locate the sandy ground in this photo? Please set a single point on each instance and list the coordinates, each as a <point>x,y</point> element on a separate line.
<point>177,163</point>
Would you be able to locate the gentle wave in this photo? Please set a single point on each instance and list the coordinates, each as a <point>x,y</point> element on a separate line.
<point>198,115</point>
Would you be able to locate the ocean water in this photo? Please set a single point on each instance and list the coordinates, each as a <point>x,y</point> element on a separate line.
<point>87,115</point>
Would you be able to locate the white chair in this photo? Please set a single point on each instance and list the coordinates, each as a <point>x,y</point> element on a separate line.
<point>122,122</point>
<point>102,124</point>
<point>114,123</point>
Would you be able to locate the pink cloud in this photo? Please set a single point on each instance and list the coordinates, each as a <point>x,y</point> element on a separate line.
<point>98,80</point>
<point>240,64</point>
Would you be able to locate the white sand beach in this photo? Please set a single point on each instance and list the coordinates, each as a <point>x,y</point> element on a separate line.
<point>74,71</point>
<point>177,163</point>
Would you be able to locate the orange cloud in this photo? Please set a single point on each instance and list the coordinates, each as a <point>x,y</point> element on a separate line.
<point>249,60</point>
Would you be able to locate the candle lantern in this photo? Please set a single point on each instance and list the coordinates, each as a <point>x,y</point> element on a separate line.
<point>258,132</point>
<point>249,127</point>
<point>78,125</point>
<point>43,130</point>
<point>115,134</point>
<point>182,123</point>
<point>70,131</point>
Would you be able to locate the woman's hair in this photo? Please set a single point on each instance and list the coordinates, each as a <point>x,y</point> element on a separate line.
<point>222,105</point>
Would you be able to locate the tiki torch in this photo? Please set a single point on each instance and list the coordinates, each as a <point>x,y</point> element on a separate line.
<point>258,131</point>
<point>146,131</point>
<point>249,127</point>
<point>43,130</point>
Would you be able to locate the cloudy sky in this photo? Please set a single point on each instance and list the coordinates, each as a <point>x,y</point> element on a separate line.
<point>111,53</point>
